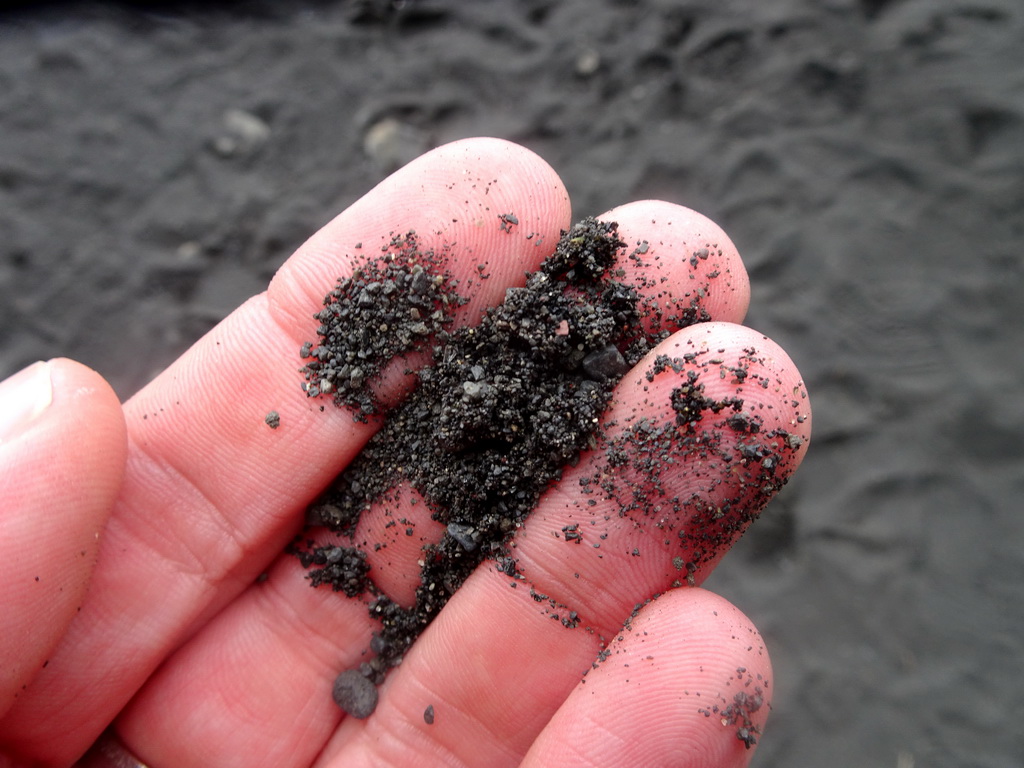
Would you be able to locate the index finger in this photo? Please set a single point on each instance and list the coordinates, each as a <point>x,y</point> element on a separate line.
<point>211,492</point>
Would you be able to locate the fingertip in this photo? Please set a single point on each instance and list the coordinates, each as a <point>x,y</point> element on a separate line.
<point>88,416</point>
<point>728,360</point>
<point>62,466</point>
<point>700,437</point>
<point>696,264</point>
<point>497,206</point>
<point>85,396</point>
<point>778,384</point>
<point>687,682</point>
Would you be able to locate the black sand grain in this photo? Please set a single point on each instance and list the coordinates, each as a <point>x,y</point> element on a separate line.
<point>355,694</point>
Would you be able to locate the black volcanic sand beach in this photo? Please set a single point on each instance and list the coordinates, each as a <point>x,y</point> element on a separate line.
<point>158,162</point>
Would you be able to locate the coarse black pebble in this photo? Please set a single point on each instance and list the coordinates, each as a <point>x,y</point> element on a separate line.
<point>273,419</point>
<point>466,536</point>
<point>605,363</point>
<point>355,694</point>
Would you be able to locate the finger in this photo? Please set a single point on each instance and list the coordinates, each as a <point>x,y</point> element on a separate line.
<point>685,267</point>
<point>62,456</point>
<point>211,493</point>
<point>687,683</point>
<point>271,717</point>
<point>668,499</point>
<point>702,435</point>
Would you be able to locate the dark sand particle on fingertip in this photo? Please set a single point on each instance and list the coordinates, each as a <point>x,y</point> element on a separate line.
<point>355,693</point>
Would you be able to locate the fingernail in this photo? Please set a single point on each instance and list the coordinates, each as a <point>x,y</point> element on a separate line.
<point>24,397</point>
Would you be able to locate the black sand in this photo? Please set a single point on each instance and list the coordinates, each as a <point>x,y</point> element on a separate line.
<point>504,407</point>
<point>867,158</point>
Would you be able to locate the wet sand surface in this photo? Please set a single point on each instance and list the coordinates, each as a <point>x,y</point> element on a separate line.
<point>158,163</point>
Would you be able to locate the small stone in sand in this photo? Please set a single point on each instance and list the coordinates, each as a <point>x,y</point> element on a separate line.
<point>355,694</point>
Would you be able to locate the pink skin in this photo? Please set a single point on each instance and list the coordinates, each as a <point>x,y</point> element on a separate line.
<point>221,671</point>
<point>55,504</point>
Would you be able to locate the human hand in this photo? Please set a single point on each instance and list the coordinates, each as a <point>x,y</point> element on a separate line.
<point>200,662</point>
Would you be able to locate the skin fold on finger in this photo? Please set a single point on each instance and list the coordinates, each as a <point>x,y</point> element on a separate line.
<point>253,688</point>
<point>59,476</point>
<point>681,250</point>
<point>687,683</point>
<point>211,492</point>
<point>500,659</point>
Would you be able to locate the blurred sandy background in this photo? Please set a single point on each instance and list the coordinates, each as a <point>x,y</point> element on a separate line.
<point>159,161</point>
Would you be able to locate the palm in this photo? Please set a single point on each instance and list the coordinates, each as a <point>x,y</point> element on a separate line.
<point>213,666</point>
